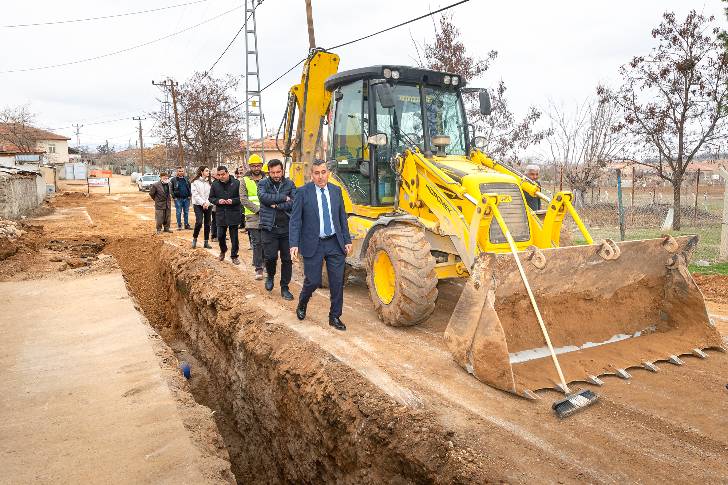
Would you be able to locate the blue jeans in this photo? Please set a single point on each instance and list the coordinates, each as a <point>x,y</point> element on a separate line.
<point>183,207</point>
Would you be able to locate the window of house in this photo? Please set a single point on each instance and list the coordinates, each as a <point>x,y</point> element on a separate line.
<point>51,148</point>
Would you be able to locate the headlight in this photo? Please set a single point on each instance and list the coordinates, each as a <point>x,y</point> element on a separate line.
<point>395,74</point>
<point>455,80</point>
<point>387,72</point>
<point>446,80</point>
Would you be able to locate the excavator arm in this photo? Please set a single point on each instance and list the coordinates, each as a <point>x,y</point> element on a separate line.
<point>312,102</point>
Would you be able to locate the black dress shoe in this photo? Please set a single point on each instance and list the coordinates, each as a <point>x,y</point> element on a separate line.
<point>269,283</point>
<point>337,323</point>
<point>222,256</point>
<point>287,295</point>
<point>301,311</point>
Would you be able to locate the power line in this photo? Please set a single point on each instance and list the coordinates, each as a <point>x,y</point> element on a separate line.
<point>429,14</point>
<point>109,54</point>
<point>103,17</point>
<point>93,123</point>
<point>231,42</point>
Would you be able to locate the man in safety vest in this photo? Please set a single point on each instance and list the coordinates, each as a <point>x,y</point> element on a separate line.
<point>249,200</point>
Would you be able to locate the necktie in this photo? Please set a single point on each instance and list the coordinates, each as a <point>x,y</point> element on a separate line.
<point>326,214</point>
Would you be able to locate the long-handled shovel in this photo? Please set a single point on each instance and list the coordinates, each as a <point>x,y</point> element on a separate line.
<point>574,401</point>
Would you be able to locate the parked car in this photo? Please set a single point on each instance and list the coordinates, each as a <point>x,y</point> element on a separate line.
<point>135,176</point>
<point>146,181</point>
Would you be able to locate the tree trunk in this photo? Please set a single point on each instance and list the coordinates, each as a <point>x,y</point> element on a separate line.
<point>676,186</point>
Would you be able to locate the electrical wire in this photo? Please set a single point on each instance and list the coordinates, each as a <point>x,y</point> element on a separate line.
<point>231,42</point>
<point>103,17</point>
<point>429,14</point>
<point>109,54</point>
<point>90,124</point>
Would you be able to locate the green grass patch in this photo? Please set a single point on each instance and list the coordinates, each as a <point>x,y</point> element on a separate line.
<point>715,268</point>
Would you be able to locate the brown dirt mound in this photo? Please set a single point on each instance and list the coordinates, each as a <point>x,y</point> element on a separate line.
<point>713,286</point>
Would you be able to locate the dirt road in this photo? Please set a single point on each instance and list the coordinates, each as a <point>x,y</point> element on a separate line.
<point>655,427</point>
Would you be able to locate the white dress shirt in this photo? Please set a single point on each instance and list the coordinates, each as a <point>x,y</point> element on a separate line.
<point>321,210</point>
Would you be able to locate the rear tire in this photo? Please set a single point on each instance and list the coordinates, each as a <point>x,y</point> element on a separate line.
<point>401,275</point>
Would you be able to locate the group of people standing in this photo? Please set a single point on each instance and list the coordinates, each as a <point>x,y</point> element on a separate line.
<point>280,223</point>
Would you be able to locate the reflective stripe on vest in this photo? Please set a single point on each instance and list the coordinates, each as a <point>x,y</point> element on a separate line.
<point>251,186</point>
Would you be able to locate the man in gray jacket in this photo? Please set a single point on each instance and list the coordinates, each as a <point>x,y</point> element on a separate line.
<point>160,193</point>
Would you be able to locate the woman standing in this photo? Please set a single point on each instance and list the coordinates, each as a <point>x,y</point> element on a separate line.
<point>201,205</point>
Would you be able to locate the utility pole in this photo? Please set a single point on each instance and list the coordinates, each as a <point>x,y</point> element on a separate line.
<point>253,107</point>
<point>309,20</point>
<point>78,133</point>
<point>171,85</point>
<point>141,140</point>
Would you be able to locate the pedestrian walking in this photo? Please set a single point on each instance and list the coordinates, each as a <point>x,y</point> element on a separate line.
<point>251,203</point>
<point>276,194</point>
<point>182,193</point>
<point>201,205</point>
<point>225,194</point>
<point>319,231</point>
<point>161,194</point>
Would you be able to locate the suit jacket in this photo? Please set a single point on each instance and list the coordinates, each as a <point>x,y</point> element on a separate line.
<point>225,214</point>
<point>162,198</point>
<point>304,226</point>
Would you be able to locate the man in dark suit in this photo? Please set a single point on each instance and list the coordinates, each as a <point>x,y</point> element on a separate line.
<point>225,194</point>
<point>319,231</point>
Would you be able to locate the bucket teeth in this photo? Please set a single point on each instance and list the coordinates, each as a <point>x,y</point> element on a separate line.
<point>674,359</point>
<point>595,380</point>
<point>699,353</point>
<point>650,366</point>
<point>623,374</point>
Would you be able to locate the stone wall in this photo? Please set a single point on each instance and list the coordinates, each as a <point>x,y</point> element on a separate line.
<point>20,193</point>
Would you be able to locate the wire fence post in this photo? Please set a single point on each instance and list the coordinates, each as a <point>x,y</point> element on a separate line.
<point>620,205</point>
<point>697,190</point>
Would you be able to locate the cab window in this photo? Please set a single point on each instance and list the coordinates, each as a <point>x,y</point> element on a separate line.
<point>347,140</point>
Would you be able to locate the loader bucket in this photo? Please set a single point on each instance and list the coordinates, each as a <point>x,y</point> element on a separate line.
<point>607,308</point>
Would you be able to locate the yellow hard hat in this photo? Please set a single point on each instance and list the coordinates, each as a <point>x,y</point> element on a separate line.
<point>254,158</point>
<point>265,167</point>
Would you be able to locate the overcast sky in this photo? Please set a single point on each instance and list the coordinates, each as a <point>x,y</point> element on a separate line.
<point>558,50</point>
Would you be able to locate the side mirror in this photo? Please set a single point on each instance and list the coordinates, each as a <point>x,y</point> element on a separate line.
<point>378,139</point>
<point>384,95</point>
<point>484,97</point>
<point>479,142</point>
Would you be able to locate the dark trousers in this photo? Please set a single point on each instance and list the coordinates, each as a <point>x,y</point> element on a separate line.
<point>162,218</point>
<point>257,242</point>
<point>202,217</point>
<point>274,243</point>
<point>213,225</point>
<point>221,239</point>
<point>330,251</point>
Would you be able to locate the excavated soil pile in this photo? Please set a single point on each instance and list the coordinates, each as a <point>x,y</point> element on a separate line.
<point>303,416</point>
<point>713,286</point>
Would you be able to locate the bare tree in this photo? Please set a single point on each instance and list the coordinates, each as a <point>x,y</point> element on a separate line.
<point>583,141</point>
<point>674,98</point>
<point>506,136</point>
<point>17,129</point>
<point>209,123</point>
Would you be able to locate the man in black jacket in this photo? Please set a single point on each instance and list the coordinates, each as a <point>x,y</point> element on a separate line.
<point>276,194</point>
<point>225,194</point>
<point>181,193</point>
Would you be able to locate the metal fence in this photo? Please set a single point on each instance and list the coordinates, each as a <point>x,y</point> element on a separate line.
<point>646,212</point>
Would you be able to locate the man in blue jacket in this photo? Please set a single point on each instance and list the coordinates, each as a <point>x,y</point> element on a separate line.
<point>276,193</point>
<point>181,193</point>
<point>319,231</point>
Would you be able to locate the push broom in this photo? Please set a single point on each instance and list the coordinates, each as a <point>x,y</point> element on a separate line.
<point>574,401</point>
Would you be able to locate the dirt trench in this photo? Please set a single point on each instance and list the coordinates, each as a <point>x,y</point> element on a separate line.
<point>288,411</point>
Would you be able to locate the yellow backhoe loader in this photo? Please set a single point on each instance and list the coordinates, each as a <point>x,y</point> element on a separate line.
<point>425,203</point>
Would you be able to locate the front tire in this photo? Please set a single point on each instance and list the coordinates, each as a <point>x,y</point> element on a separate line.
<point>401,275</point>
